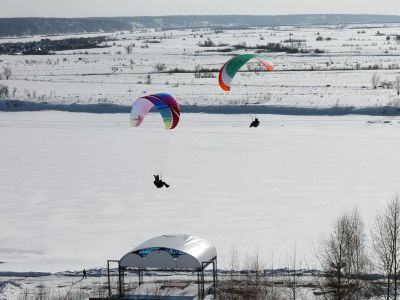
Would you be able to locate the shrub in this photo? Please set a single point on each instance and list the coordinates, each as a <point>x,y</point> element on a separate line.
<point>7,71</point>
<point>129,48</point>
<point>207,43</point>
<point>4,92</point>
<point>386,84</point>
<point>375,79</point>
<point>148,79</point>
<point>294,41</point>
<point>160,67</point>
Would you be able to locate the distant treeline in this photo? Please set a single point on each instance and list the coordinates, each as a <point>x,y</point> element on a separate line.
<point>47,46</point>
<point>51,26</point>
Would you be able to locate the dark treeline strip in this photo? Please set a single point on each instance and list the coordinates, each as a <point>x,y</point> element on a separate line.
<point>52,26</point>
<point>20,105</point>
<point>47,46</point>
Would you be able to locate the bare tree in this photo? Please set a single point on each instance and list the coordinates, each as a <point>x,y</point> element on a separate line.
<point>129,48</point>
<point>4,91</point>
<point>343,258</point>
<point>7,72</point>
<point>229,289</point>
<point>396,84</point>
<point>375,79</point>
<point>233,264</point>
<point>386,244</point>
<point>256,282</point>
<point>253,285</point>
<point>294,276</point>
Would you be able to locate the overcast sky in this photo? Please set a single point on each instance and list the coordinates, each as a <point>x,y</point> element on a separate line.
<point>98,8</point>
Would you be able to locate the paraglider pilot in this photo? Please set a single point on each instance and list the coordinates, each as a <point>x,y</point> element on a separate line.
<point>159,183</point>
<point>255,123</point>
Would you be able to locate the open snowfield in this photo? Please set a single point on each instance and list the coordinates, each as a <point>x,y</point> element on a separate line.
<point>76,189</point>
<point>338,77</point>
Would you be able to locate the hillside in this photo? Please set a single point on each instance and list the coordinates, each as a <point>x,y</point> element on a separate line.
<point>51,26</point>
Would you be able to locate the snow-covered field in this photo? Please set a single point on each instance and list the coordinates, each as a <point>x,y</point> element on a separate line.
<point>76,189</point>
<point>336,78</point>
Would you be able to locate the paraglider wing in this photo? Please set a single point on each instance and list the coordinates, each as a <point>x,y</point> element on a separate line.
<point>166,105</point>
<point>173,112</point>
<point>232,66</point>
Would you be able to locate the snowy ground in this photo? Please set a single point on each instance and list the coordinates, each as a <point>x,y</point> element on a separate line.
<point>335,78</point>
<point>56,286</point>
<point>76,189</point>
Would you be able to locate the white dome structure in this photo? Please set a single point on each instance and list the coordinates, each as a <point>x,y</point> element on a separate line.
<point>180,251</point>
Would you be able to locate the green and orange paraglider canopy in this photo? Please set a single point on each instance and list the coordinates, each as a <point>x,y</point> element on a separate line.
<point>232,66</point>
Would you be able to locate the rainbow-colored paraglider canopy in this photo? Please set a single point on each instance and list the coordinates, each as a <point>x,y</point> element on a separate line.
<point>166,105</point>
<point>232,66</point>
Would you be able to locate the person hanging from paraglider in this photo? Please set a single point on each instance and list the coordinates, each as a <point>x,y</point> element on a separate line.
<point>255,123</point>
<point>170,113</point>
<point>159,183</point>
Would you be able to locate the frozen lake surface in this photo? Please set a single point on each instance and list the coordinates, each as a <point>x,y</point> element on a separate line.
<point>76,189</point>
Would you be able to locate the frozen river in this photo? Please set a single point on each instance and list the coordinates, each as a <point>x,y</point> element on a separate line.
<point>76,189</point>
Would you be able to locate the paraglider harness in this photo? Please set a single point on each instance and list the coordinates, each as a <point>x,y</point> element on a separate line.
<point>255,123</point>
<point>159,183</point>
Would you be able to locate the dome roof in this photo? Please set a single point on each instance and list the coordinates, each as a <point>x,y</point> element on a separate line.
<point>180,251</point>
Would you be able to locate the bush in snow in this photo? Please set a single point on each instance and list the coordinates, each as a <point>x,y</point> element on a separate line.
<point>386,84</point>
<point>375,79</point>
<point>129,48</point>
<point>160,67</point>
<point>148,79</point>
<point>7,71</point>
<point>4,92</point>
<point>396,84</point>
<point>207,43</point>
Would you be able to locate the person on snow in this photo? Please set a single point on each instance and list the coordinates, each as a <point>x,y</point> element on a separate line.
<point>159,183</point>
<point>255,123</point>
<point>84,274</point>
